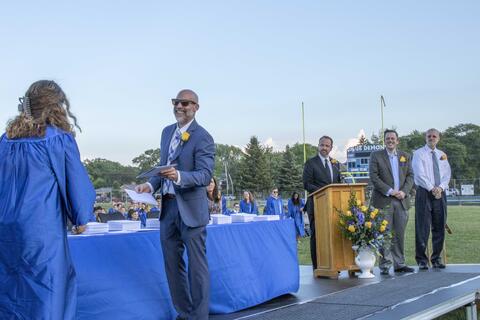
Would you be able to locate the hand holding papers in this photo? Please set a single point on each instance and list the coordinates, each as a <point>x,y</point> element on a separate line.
<point>141,197</point>
<point>156,171</point>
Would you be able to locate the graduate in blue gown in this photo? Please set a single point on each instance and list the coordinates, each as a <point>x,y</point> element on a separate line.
<point>42,183</point>
<point>248,204</point>
<point>274,204</point>
<point>295,211</point>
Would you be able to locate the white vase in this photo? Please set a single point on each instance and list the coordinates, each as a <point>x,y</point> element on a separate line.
<point>365,260</point>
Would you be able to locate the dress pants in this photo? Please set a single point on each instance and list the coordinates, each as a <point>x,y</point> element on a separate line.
<point>189,291</point>
<point>397,218</point>
<point>430,213</point>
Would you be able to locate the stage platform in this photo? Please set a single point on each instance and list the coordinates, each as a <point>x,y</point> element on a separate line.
<point>421,295</point>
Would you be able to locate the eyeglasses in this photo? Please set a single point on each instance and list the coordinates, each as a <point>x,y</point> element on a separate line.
<point>431,136</point>
<point>184,103</point>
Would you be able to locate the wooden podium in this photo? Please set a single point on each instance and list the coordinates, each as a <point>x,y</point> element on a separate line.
<point>334,252</point>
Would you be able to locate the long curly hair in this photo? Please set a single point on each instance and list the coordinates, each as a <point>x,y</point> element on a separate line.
<point>49,106</point>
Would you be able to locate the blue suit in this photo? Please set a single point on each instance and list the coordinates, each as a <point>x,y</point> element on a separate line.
<point>184,218</point>
<point>248,207</point>
<point>295,212</point>
<point>274,206</point>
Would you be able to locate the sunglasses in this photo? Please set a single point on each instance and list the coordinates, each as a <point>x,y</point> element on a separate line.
<point>184,103</point>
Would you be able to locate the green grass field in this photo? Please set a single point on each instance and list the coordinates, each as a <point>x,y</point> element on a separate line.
<point>462,246</point>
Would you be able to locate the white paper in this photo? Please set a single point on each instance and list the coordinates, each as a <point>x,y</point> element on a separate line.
<point>141,197</point>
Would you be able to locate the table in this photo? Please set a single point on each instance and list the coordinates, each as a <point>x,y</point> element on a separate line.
<point>122,276</point>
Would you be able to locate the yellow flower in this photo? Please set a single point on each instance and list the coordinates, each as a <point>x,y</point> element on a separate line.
<point>443,157</point>
<point>333,161</point>
<point>384,222</point>
<point>375,211</point>
<point>363,208</point>
<point>185,136</point>
<point>359,203</point>
<point>348,213</point>
<point>382,228</point>
<point>368,224</point>
<point>342,222</point>
<point>403,159</point>
<point>351,228</point>
<point>373,214</point>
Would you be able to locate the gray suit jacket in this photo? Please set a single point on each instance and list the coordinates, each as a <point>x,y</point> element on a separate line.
<point>382,178</point>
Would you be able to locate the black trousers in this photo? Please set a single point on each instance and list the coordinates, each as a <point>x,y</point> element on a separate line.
<point>430,213</point>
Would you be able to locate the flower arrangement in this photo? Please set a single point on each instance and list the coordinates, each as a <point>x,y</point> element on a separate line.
<point>365,227</point>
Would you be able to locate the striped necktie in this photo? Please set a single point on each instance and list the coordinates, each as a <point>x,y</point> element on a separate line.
<point>168,184</point>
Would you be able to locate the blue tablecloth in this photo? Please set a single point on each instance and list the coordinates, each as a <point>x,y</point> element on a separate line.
<point>122,276</point>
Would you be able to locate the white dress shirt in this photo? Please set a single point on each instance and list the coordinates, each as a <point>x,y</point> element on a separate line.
<point>422,165</point>
<point>329,165</point>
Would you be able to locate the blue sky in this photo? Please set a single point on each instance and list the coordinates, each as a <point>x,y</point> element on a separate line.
<point>252,64</point>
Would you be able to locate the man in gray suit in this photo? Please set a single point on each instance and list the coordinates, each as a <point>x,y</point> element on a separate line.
<point>392,178</point>
<point>184,211</point>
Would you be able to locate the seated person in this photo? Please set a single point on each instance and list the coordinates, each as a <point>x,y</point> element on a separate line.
<point>248,204</point>
<point>132,215</point>
<point>113,209</point>
<point>121,208</point>
<point>97,211</point>
<point>236,207</point>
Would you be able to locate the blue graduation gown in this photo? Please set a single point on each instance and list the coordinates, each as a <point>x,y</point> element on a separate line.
<point>295,212</point>
<point>42,182</point>
<point>274,206</point>
<point>246,207</point>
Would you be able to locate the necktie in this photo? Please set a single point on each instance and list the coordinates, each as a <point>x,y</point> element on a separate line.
<point>167,185</point>
<point>436,169</point>
<point>328,171</point>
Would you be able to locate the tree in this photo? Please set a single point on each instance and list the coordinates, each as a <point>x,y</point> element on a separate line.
<point>105,173</point>
<point>363,140</point>
<point>297,150</point>
<point>229,157</point>
<point>290,174</point>
<point>412,141</point>
<point>254,172</point>
<point>148,159</point>
<point>468,135</point>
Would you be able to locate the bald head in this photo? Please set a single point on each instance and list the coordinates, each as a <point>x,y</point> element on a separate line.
<point>187,94</point>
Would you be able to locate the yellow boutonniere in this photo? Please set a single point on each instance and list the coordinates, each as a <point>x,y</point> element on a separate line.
<point>443,157</point>
<point>333,161</point>
<point>403,159</point>
<point>185,136</point>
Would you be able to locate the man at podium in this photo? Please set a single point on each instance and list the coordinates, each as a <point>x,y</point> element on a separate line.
<point>318,172</point>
